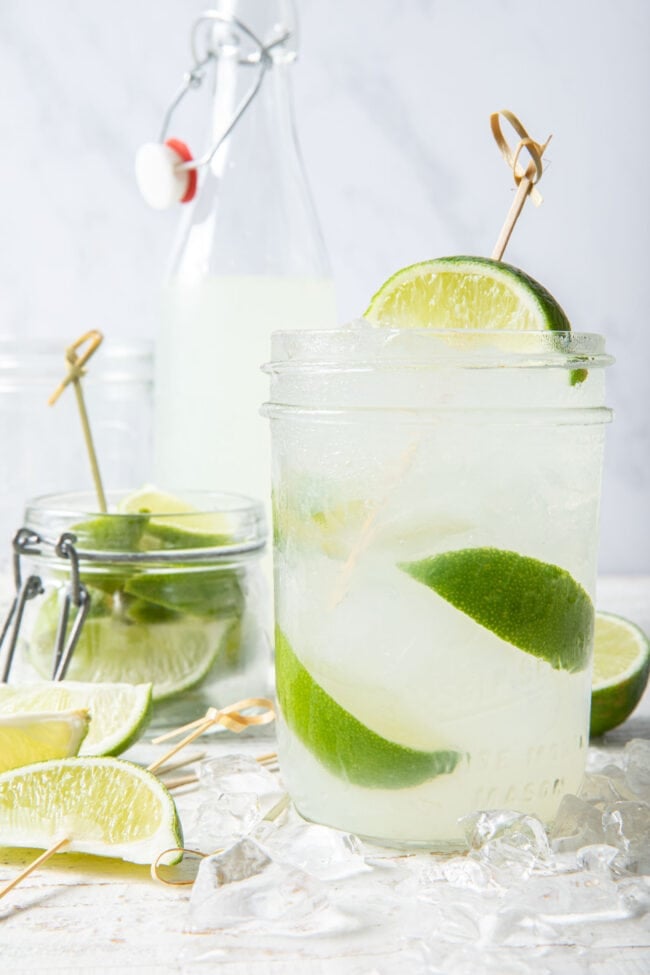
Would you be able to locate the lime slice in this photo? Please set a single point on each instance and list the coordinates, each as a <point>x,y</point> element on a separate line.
<point>191,529</point>
<point>111,533</point>
<point>621,669</point>
<point>27,738</point>
<point>105,806</point>
<point>345,746</point>
<point>119,712</point>
<point>536,606</point>
<point>465,293</point>
<point>172,656</point>
<point>204,592</point>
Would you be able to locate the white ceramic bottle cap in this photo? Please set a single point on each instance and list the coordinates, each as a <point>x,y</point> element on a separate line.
<point>159,179</point>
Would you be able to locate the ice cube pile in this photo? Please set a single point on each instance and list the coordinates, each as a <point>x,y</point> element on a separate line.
<point>568,899</point>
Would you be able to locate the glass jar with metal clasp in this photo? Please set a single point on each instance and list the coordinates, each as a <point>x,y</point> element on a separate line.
<point>175,600</point>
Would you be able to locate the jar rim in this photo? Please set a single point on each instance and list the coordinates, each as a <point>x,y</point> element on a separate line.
<point>368,346</point>
<point>178,536</point>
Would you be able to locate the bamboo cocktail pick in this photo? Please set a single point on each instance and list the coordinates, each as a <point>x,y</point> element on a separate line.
<point>525,179</point>
<point>76,362</point>
<point>38,862</point>
<point>229,717</point>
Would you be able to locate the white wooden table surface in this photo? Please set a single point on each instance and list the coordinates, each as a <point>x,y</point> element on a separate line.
<point>82,914</point>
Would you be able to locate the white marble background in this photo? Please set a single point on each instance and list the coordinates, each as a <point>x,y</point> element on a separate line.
<point>393,100</point>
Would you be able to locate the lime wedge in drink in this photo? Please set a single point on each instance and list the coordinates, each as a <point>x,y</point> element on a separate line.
<point>346,747</point>
<point>536,606</point>
<point>173,656</point>
<point>620,674</point>
<point>27,738</point>
<point>175,523</point>
<point>119,712</point>
<point>465,293</point>
<point>105,806</point>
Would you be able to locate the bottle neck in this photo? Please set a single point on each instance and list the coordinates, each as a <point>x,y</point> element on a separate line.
<point>264,99</point>
<point>253,212</point>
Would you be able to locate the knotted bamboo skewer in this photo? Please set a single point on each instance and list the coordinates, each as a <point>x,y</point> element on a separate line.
<point>76,362</point>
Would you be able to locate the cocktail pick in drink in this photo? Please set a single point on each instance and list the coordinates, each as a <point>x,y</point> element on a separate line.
<point>230,717</point>
<point>76,362</point>
<point>525,179</point>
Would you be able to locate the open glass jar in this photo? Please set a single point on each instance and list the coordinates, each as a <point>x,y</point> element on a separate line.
<point>435,504</point>
<point>178,600</point>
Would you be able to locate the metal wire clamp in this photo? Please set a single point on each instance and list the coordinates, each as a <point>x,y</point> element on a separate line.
<point>28,542</point>
<point>77,596</point>
<point>23,544</point>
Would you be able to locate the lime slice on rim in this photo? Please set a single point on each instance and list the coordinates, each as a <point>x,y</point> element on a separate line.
<point>119,712</point>
<point>465,293</point>
<point>28,738</point>
<point>621,669</point>
<point>536,606</point>
<point>190,529</point>
<point>106,806</point>
<point>343,744</point>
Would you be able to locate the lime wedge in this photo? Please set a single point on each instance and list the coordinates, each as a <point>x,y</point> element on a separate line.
<point>203,592</point>
<point>189,529</point>
<point>172,656</point>
<point>465,292</point>
<point>119,712</point>
<point>621,669</point>
<point>27,738</point>
<point>536,606</point>
<point>105,806</point>
<point>345,746</point>
<point>111,533</point>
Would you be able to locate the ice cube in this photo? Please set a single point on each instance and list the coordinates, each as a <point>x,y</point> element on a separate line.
<point>637,767</point>
<point>232,774</point>
<point>318,850</point>
<point>221,820</point>
<point>627,827</point>
<point>504,839</point>
<point>605,788</point>
<point>243,885</point>
<point>577,823</point>
<point>599,858</point>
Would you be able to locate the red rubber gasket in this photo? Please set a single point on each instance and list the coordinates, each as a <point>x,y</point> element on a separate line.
<point>183,151</point>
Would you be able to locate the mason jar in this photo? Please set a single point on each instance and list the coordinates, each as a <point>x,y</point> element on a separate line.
<point>175,600</point>
<point>435,503</point>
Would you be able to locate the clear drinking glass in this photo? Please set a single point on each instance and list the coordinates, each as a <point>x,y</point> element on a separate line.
<point>177,600</point>
<point>435,500</point>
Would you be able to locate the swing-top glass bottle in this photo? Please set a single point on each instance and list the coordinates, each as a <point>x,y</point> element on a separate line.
<point>249,260</point>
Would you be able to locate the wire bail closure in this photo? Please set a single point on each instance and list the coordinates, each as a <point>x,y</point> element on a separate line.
<point>28,542</point>
<point>78,597</point>
<point>23,544</point>
<point>166,171</point>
